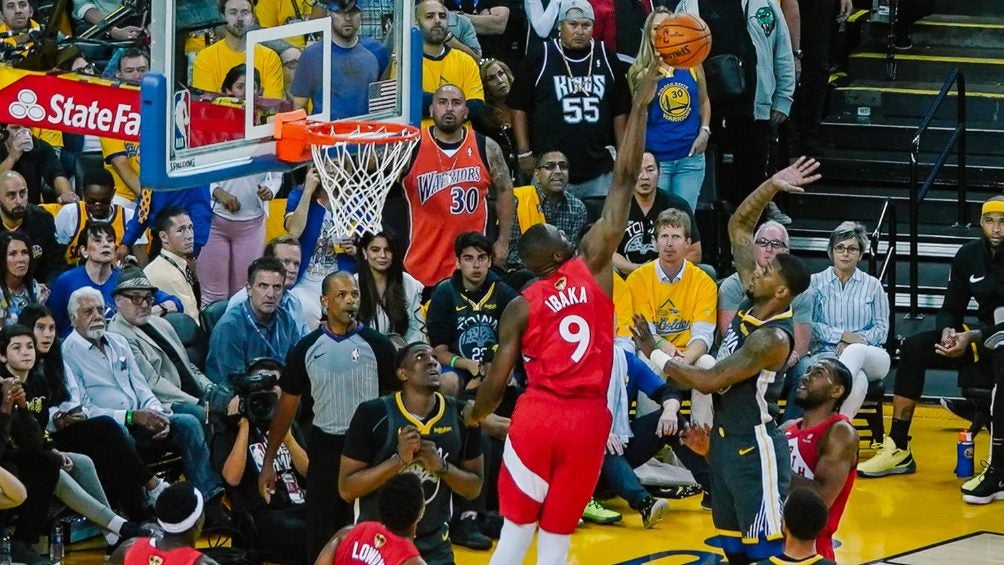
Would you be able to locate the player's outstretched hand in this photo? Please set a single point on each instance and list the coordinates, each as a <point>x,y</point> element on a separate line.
<point>467,413</point>
<point>797,175</point>
<point>642,335</point>
<point>647,87</point>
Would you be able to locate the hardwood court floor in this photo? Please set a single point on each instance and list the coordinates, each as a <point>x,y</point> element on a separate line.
<point>920,515</point>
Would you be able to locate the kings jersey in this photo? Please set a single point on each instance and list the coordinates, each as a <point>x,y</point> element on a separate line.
<point>569,338</point>
<point>447,193</point>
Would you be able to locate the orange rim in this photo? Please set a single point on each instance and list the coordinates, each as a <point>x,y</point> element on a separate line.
<point>354,131</point>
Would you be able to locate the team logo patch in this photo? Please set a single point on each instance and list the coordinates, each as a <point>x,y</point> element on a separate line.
<point>355,354</point>
<point>674,100</point>
<point>767,20</point>
<point>561,283</point>
<point>379,540</point>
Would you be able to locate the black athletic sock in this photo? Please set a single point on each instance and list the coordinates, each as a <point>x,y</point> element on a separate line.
<point>900,432</point>
<point>738,559</point>
<point>997,453</point>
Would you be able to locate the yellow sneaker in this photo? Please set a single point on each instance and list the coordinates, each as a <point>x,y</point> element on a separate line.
<point>890,460</point>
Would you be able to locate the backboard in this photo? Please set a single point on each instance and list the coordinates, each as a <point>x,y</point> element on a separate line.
<point>192,136</point>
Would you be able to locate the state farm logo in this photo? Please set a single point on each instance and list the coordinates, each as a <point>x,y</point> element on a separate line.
<point>65,111</point>
<point>26,106</point>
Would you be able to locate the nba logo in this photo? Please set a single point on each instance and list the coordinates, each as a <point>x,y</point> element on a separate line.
<point>181,119</point>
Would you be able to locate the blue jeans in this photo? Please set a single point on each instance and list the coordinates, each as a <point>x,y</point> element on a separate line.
<point>683,177</point>
<point>186,437</point>
<point>618,470</point>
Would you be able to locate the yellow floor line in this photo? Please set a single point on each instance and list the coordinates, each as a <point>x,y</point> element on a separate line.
<point>961,24</point>
<point>931,58</point>
<point>919,91</point>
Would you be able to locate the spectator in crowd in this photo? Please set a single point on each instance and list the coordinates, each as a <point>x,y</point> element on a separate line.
<point>196,201</point>
<point>90,12</point>
<point>390,300</point>
<point>355,63</point>
<point>18,286</point>
<point>443,63</point>
<point>235,84</point>
<point>97,243</point>
<point>400,504</point>
<point>290,58</point>
<point>542,17</point>
<point>678,118</point>
<point>497,78</point>
<point>78,486</point>
<point>22,454</point>
<point>804,518</point>
<point>378,18</point>
<point>97,206</point>
<point>287,250</point>
<point>259,327</point>
<point>464,312</point>
<point>572,98</point>
<point>237,448</point>
<point>122,157</point>
<point>742,125</point>
<point>955,343</point>
<point>770,240</point>
<point>634,441</point>
<point>274,13</point>
<point>362,359</point>
<point>824,443</point>
<point>431,440</point>
<point>237,234</point>
<point>548,201</point>
<point>181,513</point>
<point>452,155</point>
<point>129,483</point>
<point>850,316</point>
<point>111,385</point>
<point>171,269</point>
<point>212,63</point>
<point>639,243</point>
<point>493,21</point>
<point>309,220</point>
<point>907,14</point>
<point>17,17</point>
<point>18,215</point>
<point>37,162</point>
<point>459,26</point>
<point>813,56</point>
<point>160,354</point>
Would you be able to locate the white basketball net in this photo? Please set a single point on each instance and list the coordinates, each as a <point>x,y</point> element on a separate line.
<point>357,176</point>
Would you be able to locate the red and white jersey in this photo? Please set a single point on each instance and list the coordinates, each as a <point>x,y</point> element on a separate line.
<point>804,445</point>
<point>372,542</point>
<point>447,194</point>
<point>569,339</point>
<point>144,551</point>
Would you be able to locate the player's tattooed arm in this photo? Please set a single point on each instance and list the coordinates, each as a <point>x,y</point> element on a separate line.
<point>504,202</point>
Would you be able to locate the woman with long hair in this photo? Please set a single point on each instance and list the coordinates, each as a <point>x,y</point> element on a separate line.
<point>129,483</point>
<point>390,300</point>
<point>19,288</point>
<point>679,117</point>
<point>497,78</point>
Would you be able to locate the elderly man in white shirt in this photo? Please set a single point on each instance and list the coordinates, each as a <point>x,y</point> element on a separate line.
<point>111,384</point>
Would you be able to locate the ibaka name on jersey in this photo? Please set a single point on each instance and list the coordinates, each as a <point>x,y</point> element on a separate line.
<point>566,297</point>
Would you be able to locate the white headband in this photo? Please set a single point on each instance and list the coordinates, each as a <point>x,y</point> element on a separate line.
<point>187,523</point>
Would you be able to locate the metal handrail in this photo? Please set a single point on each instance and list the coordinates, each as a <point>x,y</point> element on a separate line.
<point>887,275</point>
<point>917,193</point>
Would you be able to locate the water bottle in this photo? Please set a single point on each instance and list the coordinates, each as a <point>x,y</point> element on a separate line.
<point>56,549</point>
<point>5,558</point>
<point>964,467</point>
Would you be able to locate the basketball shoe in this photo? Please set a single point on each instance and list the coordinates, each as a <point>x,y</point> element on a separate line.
<point>890,460</point>
<point>653,511</point>
<point>987,487</point>
<point>599,514</point>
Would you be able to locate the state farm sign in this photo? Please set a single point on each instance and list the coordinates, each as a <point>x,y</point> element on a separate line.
<point>54,102</point>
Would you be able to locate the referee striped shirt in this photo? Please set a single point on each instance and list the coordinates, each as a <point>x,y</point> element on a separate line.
<point>860,306</point>
<point>340,373</point>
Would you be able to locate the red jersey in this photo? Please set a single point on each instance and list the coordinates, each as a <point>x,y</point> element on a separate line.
<point>447,194</point>
<point>372,542</point>
<point>804,445</point>
<point>569,340</point>
<point>144,552</point>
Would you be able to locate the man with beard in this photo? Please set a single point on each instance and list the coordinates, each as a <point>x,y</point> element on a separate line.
<point>447,188</point>
<point>824,443</point>
<point>121,156</point>
<point>355,63</point>
<point>977,273</point>
<point>747,447</point>
<point>33,221</point>
<point>443,63</point>
<point>417,430</point>
<point>214,62</point>
<point>341,364</point>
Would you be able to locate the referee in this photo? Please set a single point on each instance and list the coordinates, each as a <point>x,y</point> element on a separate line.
<point>342,364</point>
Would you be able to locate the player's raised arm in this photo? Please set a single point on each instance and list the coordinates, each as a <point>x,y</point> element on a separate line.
<point>743,221</point>
<point>600,243</point>
<point>511,329</point>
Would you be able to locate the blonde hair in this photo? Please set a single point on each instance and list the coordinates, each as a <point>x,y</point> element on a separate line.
<point>646,51</point>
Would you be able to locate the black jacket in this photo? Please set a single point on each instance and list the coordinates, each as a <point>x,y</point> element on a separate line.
<point>976,273</point>
<point>47,255</point>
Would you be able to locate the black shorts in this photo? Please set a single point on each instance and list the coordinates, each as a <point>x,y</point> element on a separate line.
<point>436,548</point>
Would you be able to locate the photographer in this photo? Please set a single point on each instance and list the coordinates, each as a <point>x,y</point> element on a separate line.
<point>238,452</point>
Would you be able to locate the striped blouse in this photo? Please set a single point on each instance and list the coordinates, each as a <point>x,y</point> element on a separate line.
<point>860,306</point>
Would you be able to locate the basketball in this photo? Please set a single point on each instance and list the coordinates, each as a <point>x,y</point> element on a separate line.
<point>683,40</point>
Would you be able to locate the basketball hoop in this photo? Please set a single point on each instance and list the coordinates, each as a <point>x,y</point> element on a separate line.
<point>357,163</point>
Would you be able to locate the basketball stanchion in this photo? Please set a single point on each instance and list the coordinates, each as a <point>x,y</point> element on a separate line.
<point>356,161</point>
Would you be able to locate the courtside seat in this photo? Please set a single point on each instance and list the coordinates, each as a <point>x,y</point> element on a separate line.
<point>871,413</point>
<point>194,339</point>
<point>210,316</point>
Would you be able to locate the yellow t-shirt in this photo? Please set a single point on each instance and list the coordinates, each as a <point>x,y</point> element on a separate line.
<point>456,68</point>
<point>50,136</point>
<point>675,307</point>
<point>273,13</point>
<point>32,25</point>
<point>214,62</point>
<point>111,148</point>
